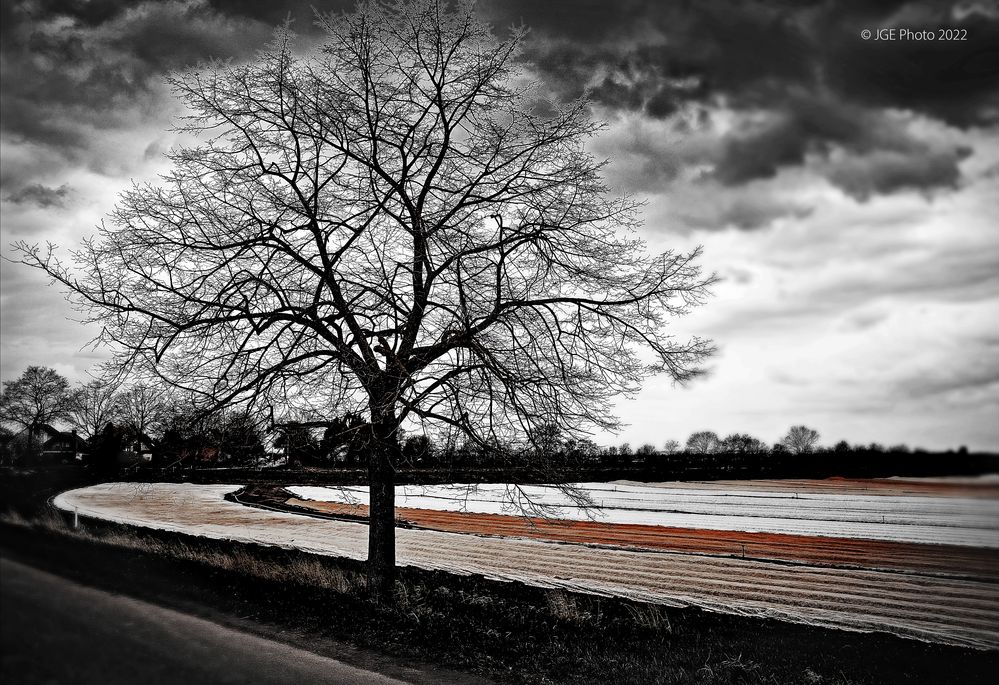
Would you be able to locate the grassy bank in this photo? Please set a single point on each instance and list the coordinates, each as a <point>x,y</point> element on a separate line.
<point>504,631</point>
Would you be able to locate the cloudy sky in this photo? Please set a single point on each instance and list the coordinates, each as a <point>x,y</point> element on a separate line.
<point>847,190</point>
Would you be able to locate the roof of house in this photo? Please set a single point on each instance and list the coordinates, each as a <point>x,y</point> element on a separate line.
<point>71,440</point>
<point>22,434</point>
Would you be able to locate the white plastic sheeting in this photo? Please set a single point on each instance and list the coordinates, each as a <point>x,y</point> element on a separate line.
<point>970,521</point>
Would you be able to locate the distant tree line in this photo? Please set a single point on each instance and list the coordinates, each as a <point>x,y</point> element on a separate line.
<point>114,424</point>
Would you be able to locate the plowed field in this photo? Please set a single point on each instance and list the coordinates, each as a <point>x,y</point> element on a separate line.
<point>952,560</point>
<point>950,597</point>
<point>862,510</point>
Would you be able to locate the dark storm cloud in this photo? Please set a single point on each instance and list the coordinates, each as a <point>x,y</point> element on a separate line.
<point>954,81</point>
<point>302,13</point>
<point>71,67</point>
<point>41,196</point>
<point>801,126</point>
<point>642,54</point>
<point>822,89</point>
<point>886,172</point>
<point>634,79</point>
<point>752,52</point>
<point>881,155</point>
<point>748,213</point>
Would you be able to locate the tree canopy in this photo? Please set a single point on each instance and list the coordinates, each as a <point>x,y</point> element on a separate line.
<point>703,442</point>
<point>39,396</point>
<point>93,406</point>
<point>397,224</point>
<point>800,439</point>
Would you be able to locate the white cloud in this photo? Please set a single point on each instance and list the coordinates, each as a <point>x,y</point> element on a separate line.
<point>39,326</point>
<point>870,321</point>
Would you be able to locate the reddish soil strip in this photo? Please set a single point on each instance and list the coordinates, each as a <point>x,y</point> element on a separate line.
<point>951,560</point>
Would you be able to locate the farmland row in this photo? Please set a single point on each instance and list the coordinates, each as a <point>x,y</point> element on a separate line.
<point>899,556</point>
<point>923,519</point>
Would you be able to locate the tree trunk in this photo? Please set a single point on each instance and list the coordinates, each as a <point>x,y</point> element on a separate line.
<point>32,454</point>
<point>381,512</point>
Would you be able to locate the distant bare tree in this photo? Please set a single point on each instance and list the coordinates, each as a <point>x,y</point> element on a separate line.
<point>742,443</point>
<point>94,405</point>
<point>800,440</point>
<point>417,449</point>
<point>703,442</point>
<point>347,437</point>
<point>671,447</point>
<point>299,443</point>
<point>394,224</point>
<point>145,409</point>
<point>582,448</point>
<point>646,450</point>
<point>40,396</point>
<point>546,440</point>
<point>239,437</point>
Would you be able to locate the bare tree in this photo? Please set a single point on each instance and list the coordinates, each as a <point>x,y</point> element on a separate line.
<point>546,440</point>
<point>40,396</point>
<point>800,439</point>
<point>742,443</point>
<point>238,436</point>
<point>671,447</point>
<point>144,409</point>
<point>397,225</point>
<point>298,442</point>
<point>94,405</point>
<point>703,442</point>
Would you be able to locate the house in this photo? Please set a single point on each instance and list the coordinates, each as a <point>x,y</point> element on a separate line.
<point>136,449</point>
<point>62,446</point>
<point>27,443</point>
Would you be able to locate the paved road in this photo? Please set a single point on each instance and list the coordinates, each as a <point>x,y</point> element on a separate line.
<point>56,631</point>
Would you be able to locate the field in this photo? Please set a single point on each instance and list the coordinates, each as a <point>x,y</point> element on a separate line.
<point>918,559</point>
